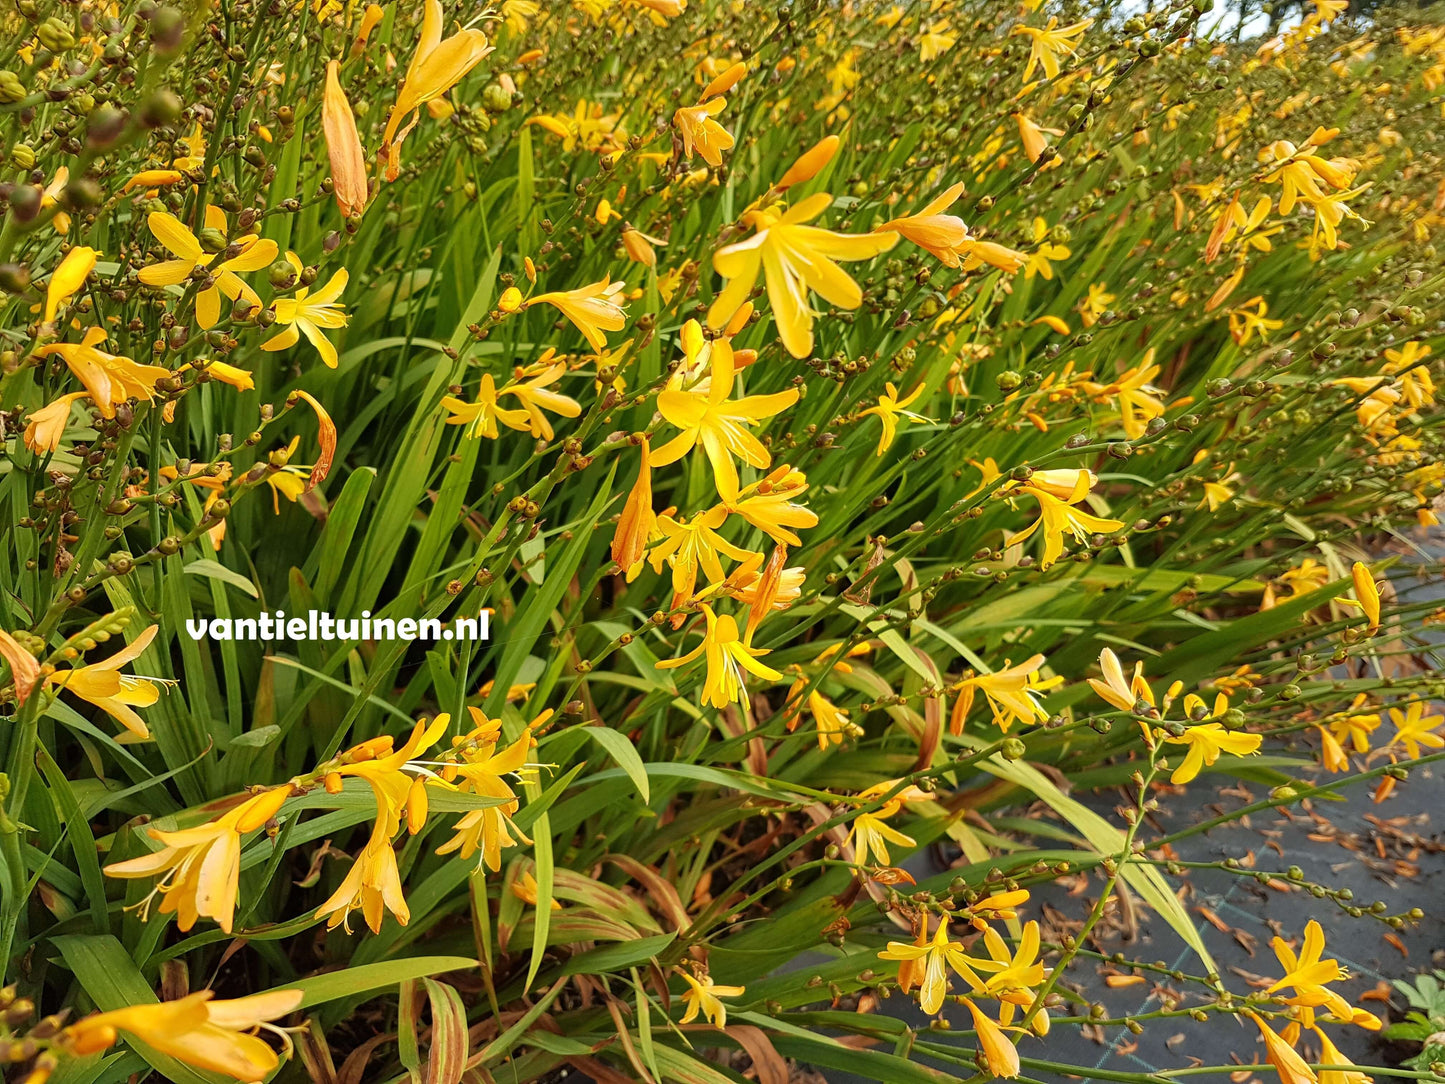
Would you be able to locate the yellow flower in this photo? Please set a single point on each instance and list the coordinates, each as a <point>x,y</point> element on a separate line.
<point>254,254</point>
<point>435,68</point>
<point>1247,318</point>
<point>373,884</point>
<point>797,258</point>
<point>1300,172</point>
<point>46,426</point>
<point>1012,694</point>
<point>976,253</point>
<point>483,770</point>
<point>1413,728</point>
<point>1206,741</point>
<point>701,132</point>
<point>102,684</point>
<point>481,417</point>
<point>1039,260</point>
<point>593,309</point>
<point>51,196</point>
<point>343,146</point>
<point>1417,387</point>
<point>1291,1067</point>
<point>1308,973</point>
<point>516,13</point>
<point>1354,726</point>
<point>937,956</point>
<point>110,379</point>
<point>931,230</point>
<point>1138,401</point>
<point>999,1052</point>
<point>889,409</point>
<point>637,522</point>
<point>869,834</point>
<point>200,867</point>
<point>1057,517</point>
<point>1032,137</point>
<point>195,1029</point>
<point>1046,46</point>
<point>307,313</point>
<point>68,279</point>
<point>702,997</point>
<point>833,723</point>
<point>935,41</point>
<point>768,504</point>
<point>727,659</point>
<point>708,417</point>
<point>535,395</point>
<point>1095,304</point>
<point>689,544</point>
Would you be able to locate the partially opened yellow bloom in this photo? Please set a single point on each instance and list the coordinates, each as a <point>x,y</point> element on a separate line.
<point>727,659</point>
<point>435,68</point>
<point>1012,694</point>
<point>810,163</point>
<point>708,417</point>
<point>46,426</point>
<point>1309,974</point>
<point>110,379</point>
<point>769,505</point>
<point>194,1029</point>
<point>930,229</point>
<point>594,309</point>
<point>116,694</point>
<point>999,1052</point>
<point>255,253</point>
<point>68,279</point>
<point>1292,1068</point>
<point>794,258</point>
<point>1119,691</point>
<point>24,670</point>
<point>200,868</point>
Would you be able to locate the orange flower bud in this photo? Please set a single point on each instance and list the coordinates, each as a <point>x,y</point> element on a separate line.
<point>416,805</point>
<point>811,163</point>
<point>343,146</point>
